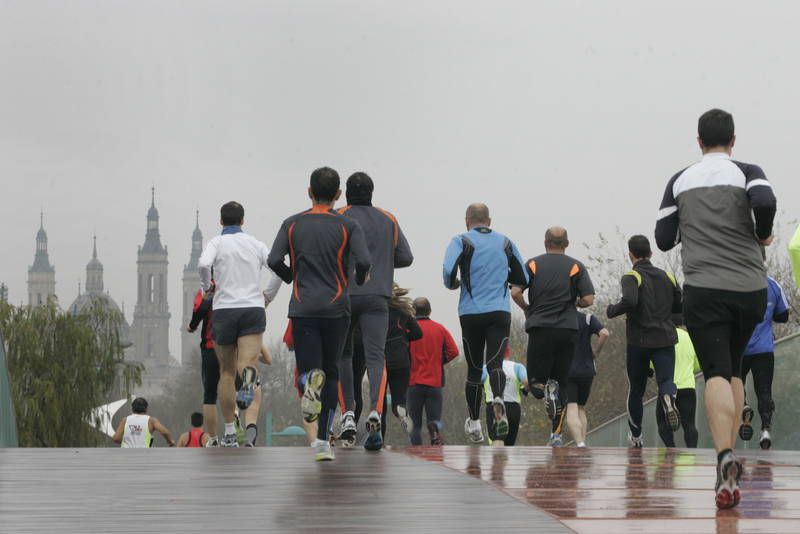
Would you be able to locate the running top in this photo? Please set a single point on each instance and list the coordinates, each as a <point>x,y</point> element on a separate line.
<point>237,259</point>
<point>516,375</point>
<point>556,281</point>
<point>488,262</point>
<point>686,363</point>
<point>402,330</point>
<point>794,255</point>
<point>583,364</point>
<point>137,432</point>
<point>195,438</point>
<point>202,311</point>
<point>430,353</point>
<point>388,248</point>
<point>320,244</point>
<point>762,340</point>
<point>710,207</point>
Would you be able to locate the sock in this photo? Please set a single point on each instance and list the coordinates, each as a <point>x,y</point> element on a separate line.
<point>251,433</point>
<point>230,428</point>
<point>213,438</point>
<point>722,454</point>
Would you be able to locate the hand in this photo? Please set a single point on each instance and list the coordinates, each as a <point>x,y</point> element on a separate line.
<point>265,356</point>
<point>172,444</point>
<point>457,284</point>
<point>594,354</point>
<point>191,330</point>
<point>767,242</point>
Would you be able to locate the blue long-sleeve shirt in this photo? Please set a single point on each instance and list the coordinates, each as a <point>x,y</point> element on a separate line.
<point>487,262</point>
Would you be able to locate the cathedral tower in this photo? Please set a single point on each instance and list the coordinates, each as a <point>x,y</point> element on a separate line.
<point>190,343</point>
<point>41,275</point>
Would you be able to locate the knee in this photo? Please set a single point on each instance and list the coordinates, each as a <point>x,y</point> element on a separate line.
<point>474,375</point>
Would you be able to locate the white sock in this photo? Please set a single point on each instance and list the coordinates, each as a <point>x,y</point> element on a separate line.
<point>230,428</point>
<point>213,438</point>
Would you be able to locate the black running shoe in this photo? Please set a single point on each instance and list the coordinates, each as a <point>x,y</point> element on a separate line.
<point>551,403</point>
<point>671,411</point>
<point>746,428</point>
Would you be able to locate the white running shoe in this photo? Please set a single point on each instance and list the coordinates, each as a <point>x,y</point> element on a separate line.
<point>311,405</point>
<point>766,440</point>
<point>347,436</point>
<point>405,420</point>
<point>637,442</point>
<point>555,440</point>
<point>229,440</point>
<point>213,441</point>
<point>581,445</point>
<point>323,451</point>
<point>473,429</point>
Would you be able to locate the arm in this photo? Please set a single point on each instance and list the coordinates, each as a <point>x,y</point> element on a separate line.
<point>517,272</point>
<point>359,252</point>
<point>585,287</point>
<point>183,440</point>
<point>762,201</point>
<point>518,296</point>
<point>781,313</point>
<point>120,431</point>
<point>402,250</point>
<point>667,225</point>
<point>585,302</point>
<point>413,331</point>
<point>452,257</point>
<point>677,295</point>
<point>794,255</point>
<point>277,255</point>
<point>630,296</point>
<point>265,356</point>
<point>274,281</point>
<point>202,305</point>
<point>602,337</point>
<point>205,263</point>
<point>522,376</point>
<point>161,429</point>
<point>450,349</point>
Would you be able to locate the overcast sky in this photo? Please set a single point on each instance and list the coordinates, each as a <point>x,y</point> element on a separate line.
<point>571,113</point>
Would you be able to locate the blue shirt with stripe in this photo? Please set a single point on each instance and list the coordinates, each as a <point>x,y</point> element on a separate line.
<point>762,340</point>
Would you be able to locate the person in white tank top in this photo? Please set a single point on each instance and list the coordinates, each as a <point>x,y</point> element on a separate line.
<point>136,430</point>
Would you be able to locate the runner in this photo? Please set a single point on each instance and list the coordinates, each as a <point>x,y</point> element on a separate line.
<point>429,355</point>
<point>582,372</point>
<point>488,262</point>
<point>309,426</point>
<point>759,359</point>
<point>516,386</point>
<point>136,430</point>
<point>721,210</point>
<point>794,255</point>
<point>239,316</point>
<point>209,370</point>
<point>195,437</point>
<point>557,283</point>
<point>686,367</point>
<point>388,249</point>
<point>321,243</point>
<point>403,329</point>
<point>649,298</point>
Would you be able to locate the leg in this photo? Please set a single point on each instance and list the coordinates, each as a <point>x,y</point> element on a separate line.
<point>574,422</point>
<point>540,360</point>
<point>687,402</point>
<point>514,413</point>
<point>668,415</point>
<point>490,423</point>
<point>713,349</point>
<point>414,402</point>
<point>433,407</point>
<point>664,430</point>
<point>584,420</point>
<point>374,322</point>
<point>564,349</point>
<point>359,370</point>
<point>637,364</point>
<point>334,334</point>
<point>474,341</point>
<point>763,367</point>
<point>740,336</point>
<point>210,375</point>
<point>497,333</point>
<point>346,375</point>
<point>308,354</point>
<point>249,347</point>
<point>227,389</point>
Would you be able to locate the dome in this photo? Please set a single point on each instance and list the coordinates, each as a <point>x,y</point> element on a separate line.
<point>86,301</point>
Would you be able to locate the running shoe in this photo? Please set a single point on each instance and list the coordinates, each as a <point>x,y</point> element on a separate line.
<point>746,428</point>
<point>323,452</point>
<point>374,440</point>
<point>347,436</point>
<point>405,420</point>
<point>637,442</point>
<point>229,440</point>
<point>766,440</point>
<point>212,442</point>
<point>500,419</point>
<point>473,429</point>
<point>311,405</point>
<point>551,403</point>
<point>436,433</point>
<point>729,472</point>
<point>671,411</point>
<point>247,392</point>
<point>581,445</point>
<point>555,440</point>
<point>250,436</point>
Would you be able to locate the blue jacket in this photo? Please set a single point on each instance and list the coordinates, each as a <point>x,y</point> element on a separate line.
<point>762,340</point>
<point>488,262</point>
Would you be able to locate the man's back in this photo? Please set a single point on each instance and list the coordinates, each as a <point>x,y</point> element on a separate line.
<point>430,353</point>
<point>388,248</point>
<point>713,201</point>
<point>237,259</point>
<point>583,364</point>
<point>137,432</point>
<point>650,324</point>
<point>556,281</point>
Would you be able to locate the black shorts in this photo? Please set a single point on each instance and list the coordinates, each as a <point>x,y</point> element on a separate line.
<point>720,324</point>
<point>232,323</point>
<point>578,390</point>
<point>209,372</point>
<point>550,352</point>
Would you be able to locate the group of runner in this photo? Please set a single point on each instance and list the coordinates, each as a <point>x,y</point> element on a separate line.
<point>349,318</point>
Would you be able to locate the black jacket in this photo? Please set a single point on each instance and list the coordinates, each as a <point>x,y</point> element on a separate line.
<point>649,298</point>
<point>402,330</point>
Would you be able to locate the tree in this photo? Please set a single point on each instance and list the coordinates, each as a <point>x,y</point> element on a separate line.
<point>61,367</point>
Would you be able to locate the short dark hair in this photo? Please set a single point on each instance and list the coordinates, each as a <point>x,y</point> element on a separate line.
<point>197,419</point>
<point>715,128</point>
<point>231,214</point>
<point>422,307</point>
<point>359,188</point>
<point>324,184</point>
<point>139,405</point>
<point>639,247</point>
<point>556,238</point>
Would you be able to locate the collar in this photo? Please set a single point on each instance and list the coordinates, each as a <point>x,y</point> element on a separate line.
<point>482,230</point>
<point>716,155</point>
<point>645,261</point>
<point>422,318</point>
<point>235,229</point>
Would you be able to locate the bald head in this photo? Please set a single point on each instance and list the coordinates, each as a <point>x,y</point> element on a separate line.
<point>478,215</point>
<point>556,239</point>
<point>422,307</point>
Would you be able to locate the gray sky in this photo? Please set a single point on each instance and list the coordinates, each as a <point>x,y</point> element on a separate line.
<point>571,113</point>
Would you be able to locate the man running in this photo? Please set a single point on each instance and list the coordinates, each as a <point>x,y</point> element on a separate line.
<point>369,306</point>
<point>516,386</point>
<point>136,430</point>
<point>686,367</point>
<point>209,370</point>
<point>488,262</point>
<point>582,372</point>
<point>309,427</point>
<point>557,283</point>
<point>649,298</point>
<point>429,355</point>
<point>239,315</point>
<point>321,243</point>
<point>759,359</point>
<point>195,437</point>
<point>722,212</point>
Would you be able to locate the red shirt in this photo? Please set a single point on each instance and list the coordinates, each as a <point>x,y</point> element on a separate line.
<point>195,437</point>
<point>429,354</point>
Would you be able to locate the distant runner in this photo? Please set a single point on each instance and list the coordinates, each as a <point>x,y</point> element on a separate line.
<point>195,437</point>
<point>136,430</point>
<point>516,386</point>
<point>686,367</point>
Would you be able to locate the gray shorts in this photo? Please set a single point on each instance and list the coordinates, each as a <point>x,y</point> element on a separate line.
<point>229,324</point>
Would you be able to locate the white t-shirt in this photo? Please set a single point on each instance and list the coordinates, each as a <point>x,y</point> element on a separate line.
<point>237,259</point>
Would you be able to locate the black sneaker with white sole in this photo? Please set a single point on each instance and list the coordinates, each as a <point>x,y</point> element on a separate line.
<point>671,411</point>
<point>746,428</point>
<point>552,404</point>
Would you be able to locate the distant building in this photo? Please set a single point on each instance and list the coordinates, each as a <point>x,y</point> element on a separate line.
<point>190,345</point>
<point>3,293</point>
<point>41,275</point>
<point>151,316</point>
